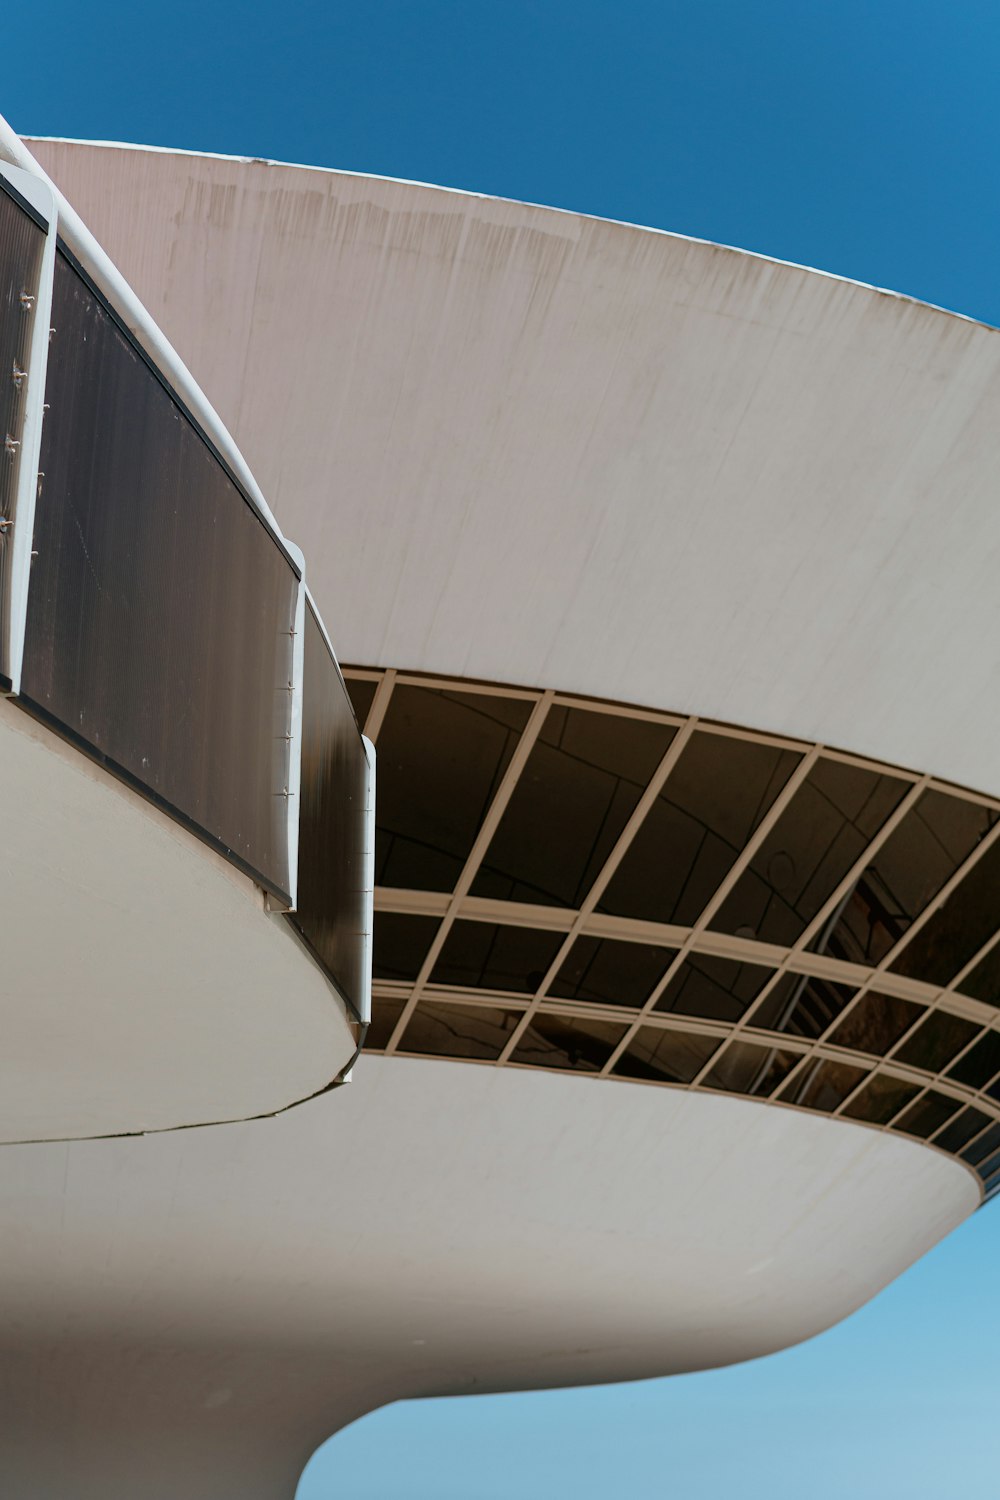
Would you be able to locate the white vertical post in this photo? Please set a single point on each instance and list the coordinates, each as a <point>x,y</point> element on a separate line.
<point>294,785</point>
<point>368,886</point>
<point>37,192</point>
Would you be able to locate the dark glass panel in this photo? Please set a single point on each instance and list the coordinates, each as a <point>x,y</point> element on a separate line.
<point>480,956</point>
<point>927,1114</point>
<point>458,1030</point>
<point>21,244</point>
<point>441,757</point>
<point>385,1015</point>
<point>936,1041</point>
<point>801,1006</point>
<point>716,989</point>
<point>331,908</point>
<point>362,693</point>
<point>956,932</point>
<point>980,1063</point>
<point>824,830</point>
<point>983,1146</point>
<point>712,801</point>
<point>986,1169</point>
<point>916,860</point>
<point>875,1023</point>
<point>583,778</point>
<point>745,1068</point>
<point>961,1130</point>
<point>665,1056</point>
<point>990,1187</point>
<point>161,610</point>
<point>984,981</point>
<point>578,1045</point>
<point>823,1085</point>
<point>401,944</point>
<point>881,1099</point>
<point>605,971</point>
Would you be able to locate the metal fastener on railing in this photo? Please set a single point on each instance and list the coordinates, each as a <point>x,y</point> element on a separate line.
<point>27,301</point>
<point>11,444</point>
<point>18,376</point>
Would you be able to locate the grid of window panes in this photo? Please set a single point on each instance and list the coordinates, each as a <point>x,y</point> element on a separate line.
<point>587,887</point>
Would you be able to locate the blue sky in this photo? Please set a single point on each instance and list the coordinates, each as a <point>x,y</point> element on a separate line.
<point>860,136</point>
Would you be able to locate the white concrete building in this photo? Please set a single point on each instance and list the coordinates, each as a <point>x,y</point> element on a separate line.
<point>663,577</point>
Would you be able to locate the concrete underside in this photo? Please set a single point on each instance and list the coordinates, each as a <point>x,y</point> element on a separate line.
<point>142,983</point>
<point>190,1314</point>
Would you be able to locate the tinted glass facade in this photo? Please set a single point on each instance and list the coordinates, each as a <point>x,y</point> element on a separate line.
<point>160,608</point>
<point>714,910</point>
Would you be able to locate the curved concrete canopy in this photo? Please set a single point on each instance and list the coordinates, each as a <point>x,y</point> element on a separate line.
<point>530,447</point>
<point>144,985</point>
<point>527,446</point>
<point>193,1313</point>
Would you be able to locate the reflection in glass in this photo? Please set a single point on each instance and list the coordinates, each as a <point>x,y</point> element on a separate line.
<point>801,1006</point>
<point>481,956</point>
<point>981,1063</point>
<point>914,863</point>
<point>984,981</point>
<point>936,1041</point>
<point>716,989</point>
<point>665,1056</point>
<point>400,944</point>
<point>875,1023</point>
<point>983,1146</point>
<point>362,695</point>
<point>579,1045</point>
<point>823,1085</point>
<point>745,1068</point>
<point>962,1129</point>
<point>459,1030</point>
<point>604,971</point>
<point>441,757</point>
<point>385,1015</point>
<point>820,835</point>
<point>714,798</point>
<point>583,778</point>
<point>927,1114</point>
<point>956,932</point>
<point>882,1097</point>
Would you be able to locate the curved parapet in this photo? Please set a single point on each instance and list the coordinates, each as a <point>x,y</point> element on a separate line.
<point>582,455</point>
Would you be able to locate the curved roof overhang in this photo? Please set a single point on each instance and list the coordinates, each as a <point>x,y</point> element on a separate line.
<point>527,446</point>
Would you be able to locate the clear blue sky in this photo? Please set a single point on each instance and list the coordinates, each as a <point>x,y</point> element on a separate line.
<point>861,136</point>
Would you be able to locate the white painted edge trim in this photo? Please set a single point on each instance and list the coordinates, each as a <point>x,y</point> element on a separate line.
<point>37,192</point>
<point>294,786</point>
<point>368,878</point>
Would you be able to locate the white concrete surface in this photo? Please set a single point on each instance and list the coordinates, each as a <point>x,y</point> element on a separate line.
<point>519,445</point>
<point>532,447</point>
<point>191,1314</point>
<point>142,983</point>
